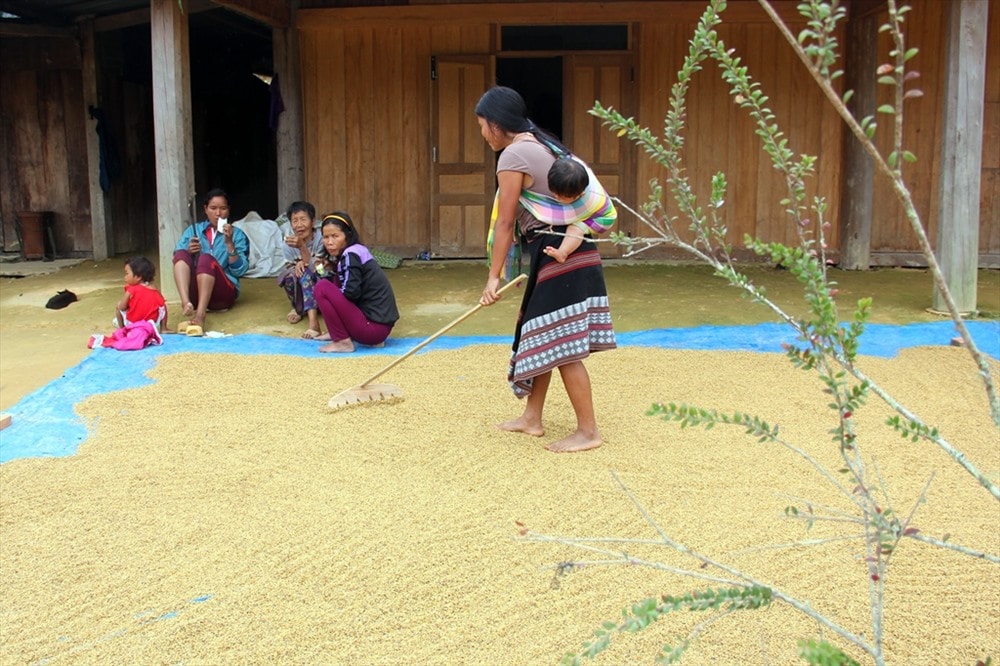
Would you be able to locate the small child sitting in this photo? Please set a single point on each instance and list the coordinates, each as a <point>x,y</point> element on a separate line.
<point>568,181</point>
<point>140,313</point>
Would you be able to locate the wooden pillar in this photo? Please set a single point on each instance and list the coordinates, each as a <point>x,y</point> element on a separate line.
<point>857,186</point>
<point>290,157</point>
<point>171,128</point>
<point>98,222</point>
<point>961,152</point>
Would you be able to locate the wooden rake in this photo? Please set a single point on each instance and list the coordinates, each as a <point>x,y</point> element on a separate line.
<point>366,392</point>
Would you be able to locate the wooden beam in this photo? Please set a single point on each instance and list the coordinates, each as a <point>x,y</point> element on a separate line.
<point>17,30</point>
<point>141,16</point>
<point>742,11</point>
<point>271,12</point>
<point>171,128</point>
<point>861,60</point>
<point>962,152</point>
<point>288,135</point>
<point>98,221</point>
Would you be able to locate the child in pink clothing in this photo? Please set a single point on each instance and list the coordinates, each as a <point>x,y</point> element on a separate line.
<point>141,312</point>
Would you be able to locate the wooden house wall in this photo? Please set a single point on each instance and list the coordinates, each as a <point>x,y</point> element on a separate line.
<point>366,95</point>
<point>42,126</point>
<point>366,92</point>
<point>719,136</point>
<point>892,236</point>
<point>989,208</point>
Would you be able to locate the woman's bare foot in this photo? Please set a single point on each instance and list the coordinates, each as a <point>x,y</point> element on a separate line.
<point>322,338</point>
<point>578,441</point>
<point>188,310</point>
<point>520,424</point>
<point>345,345</point>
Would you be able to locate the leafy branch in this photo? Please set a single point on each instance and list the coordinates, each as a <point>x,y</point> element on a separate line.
<point>823,346</point>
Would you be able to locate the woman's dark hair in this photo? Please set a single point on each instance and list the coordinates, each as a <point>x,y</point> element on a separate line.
<point>301,207</point>
<point>505,108</point>
<point>344,222</point>
<point>142,267</point>
<point>212,193</point>
<point>568,178</point>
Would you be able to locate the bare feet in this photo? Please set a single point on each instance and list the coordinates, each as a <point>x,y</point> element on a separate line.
<point>188,310</point>
<point>578,441</point>
<point>521,424</point>
<point>322,338</point>
<point>310,334</point>
<point>342,346</point>
<point>293,317</point>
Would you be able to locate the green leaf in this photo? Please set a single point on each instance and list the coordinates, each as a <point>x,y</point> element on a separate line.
<point>887,108</point>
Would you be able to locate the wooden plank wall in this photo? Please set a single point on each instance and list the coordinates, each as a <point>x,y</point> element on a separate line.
<point>892,237</point>
<point>720,137</point>
<point>367,129</point>
<point>989,210</point>
<point>44,142</point>
<point>366,100</point>
<point>367,123</point>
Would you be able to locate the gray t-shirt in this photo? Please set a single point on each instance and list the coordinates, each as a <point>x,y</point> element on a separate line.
<point>534,159</point>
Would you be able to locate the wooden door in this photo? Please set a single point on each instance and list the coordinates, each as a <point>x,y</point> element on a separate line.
<point>607,78</point>
<point>463,164</point>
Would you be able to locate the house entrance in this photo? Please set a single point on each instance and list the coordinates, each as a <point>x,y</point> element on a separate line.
<point>540,82</point>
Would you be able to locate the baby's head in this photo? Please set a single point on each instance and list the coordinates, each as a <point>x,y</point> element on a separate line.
<point>568,179</point>
<point>141,268</point>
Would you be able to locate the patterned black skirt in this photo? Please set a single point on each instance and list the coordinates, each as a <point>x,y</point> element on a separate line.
<point>564,315</point>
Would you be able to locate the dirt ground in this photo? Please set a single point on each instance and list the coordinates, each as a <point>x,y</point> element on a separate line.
<point>37,345</point>
<point>265,529</point>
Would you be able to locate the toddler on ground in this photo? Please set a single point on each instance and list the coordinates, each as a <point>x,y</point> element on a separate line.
<point>140,313</point>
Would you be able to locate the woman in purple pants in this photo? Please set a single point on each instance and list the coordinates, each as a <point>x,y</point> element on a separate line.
<point>354,295</point>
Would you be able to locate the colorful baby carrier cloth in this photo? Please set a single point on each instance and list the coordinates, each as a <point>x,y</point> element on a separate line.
<point>593,208</point>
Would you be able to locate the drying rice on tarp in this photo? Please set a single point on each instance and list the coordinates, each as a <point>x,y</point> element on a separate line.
<point>241,522</point>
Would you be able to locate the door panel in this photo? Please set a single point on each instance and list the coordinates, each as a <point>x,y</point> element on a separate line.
<point>606,78</point>
<point>463,168</point>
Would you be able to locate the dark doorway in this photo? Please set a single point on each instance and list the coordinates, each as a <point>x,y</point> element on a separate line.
<point>234,145</point>
<point>540,82</point>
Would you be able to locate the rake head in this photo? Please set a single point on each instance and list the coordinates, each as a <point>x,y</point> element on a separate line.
<point>366,394</point>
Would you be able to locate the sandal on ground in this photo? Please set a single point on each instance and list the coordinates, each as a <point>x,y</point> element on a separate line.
<point>294,317</point>
<point>311,334</point>
<point>183,326</point>
<point>194,331</point>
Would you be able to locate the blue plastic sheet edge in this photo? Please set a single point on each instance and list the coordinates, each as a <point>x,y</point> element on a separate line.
<point>44,423</point>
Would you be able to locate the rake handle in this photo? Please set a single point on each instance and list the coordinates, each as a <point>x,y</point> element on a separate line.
<point>516,281</point>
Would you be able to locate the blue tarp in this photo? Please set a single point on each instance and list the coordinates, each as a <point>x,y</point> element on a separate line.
<point>44,422</point>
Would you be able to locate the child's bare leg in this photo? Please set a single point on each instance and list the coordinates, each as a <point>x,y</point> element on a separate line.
<point>556,253</point>
<point>577,382</point>
<point>530,421</point>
